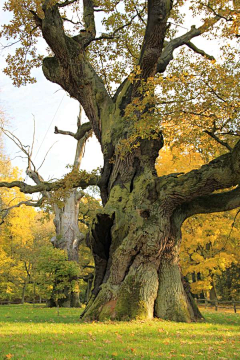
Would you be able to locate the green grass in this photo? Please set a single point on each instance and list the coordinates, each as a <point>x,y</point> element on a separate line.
<point>36,332</point>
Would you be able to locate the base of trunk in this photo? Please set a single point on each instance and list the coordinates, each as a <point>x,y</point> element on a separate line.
<point>172,302</point>
<point>143,295</point>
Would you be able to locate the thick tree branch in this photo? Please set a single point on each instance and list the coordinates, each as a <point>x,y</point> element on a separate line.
<point>82,130</point>
<point>53,31</point>
<point>158,13</point>
<point>221,173</point>
<point>63,132</point>
<point>91,179</point>
<point>37,19</point>
<point>225,201</point>
<point>199,51</point>
<point>88,17</point>
<point>167,54</point>
<point>70,67</point>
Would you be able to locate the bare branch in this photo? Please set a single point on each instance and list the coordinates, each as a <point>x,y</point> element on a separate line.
<point>83,182</point>
<point>214,136</point>
<point>9,45</point>
<point>219,14</point>
<point>62,132</point>
<point>46,155</point>
<point>82,130</point>
<point>33,139</point>
<point>115,32</point>
<point>79,118</point>
<point>71,21</point>
<point>33,203</point>
<point>24,148</point>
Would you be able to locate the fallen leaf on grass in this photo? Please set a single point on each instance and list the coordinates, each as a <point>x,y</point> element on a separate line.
<point>166,341</point>
<point>9,356</point>
<point>107,341</point>
<point>119,337</point>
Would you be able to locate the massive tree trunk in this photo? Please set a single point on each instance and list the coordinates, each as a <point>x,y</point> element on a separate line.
<point>136,238</point>
<point>135,242</point>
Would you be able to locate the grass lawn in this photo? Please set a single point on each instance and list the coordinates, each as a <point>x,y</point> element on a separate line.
<point>36,332</point>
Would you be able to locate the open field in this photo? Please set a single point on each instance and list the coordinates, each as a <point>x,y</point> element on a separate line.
<point>36,332</point>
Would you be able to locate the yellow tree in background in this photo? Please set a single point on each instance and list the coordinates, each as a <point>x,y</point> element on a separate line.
<point>20,236</point>
<point>16,237</point>
<point>210,246</point>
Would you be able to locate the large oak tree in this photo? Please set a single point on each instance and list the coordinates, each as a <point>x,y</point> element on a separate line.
<point>136,238</point>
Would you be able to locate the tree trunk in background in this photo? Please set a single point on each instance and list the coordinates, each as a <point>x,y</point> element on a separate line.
<point>212,292</point>
<point>68,238</point>
<point>23,292</point>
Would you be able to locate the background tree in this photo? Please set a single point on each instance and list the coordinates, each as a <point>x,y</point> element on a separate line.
<point>18,242</point>
<point>135,239</point>
<point>64,201</point>
<point>207,252</point>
